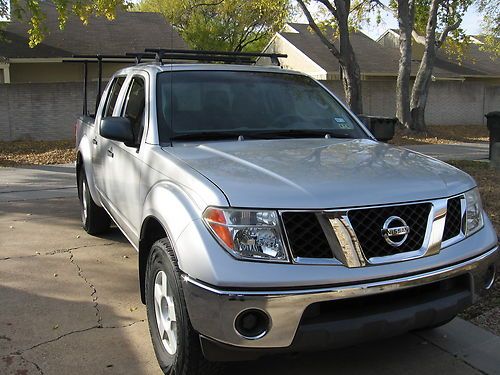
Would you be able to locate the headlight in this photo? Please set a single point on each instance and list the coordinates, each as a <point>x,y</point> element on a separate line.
<point>247,234</point>
<point>473,212</point>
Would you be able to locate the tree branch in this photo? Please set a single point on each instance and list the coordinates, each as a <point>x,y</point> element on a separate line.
<point>317,30</point>
<point>445,33</point>
<point>329,6</point>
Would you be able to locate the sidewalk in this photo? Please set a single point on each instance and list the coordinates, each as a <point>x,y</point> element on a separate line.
<point>458,151</point>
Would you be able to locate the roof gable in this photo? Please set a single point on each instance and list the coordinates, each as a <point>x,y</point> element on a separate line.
<point>377,59</point>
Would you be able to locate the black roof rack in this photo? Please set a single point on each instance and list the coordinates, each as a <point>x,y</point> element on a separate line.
<point>158,54</point>
<point>213,56</point>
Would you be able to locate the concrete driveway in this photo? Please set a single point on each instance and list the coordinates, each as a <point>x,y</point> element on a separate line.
<point>69,302</point>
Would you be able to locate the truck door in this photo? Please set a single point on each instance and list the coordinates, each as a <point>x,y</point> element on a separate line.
<point>124,162</point>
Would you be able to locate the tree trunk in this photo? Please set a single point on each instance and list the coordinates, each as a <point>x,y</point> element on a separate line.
<point>351,79</point>
<point>424,76</point>
<point>351,74</point>
<point>421,92</point>
<point>406,20</point>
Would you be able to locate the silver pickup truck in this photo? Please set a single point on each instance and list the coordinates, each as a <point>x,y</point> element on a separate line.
<point>268,218</point>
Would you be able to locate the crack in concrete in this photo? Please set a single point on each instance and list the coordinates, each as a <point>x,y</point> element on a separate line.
<point>68,250</point>
<point>58,251</point>
<point>20,352</point>
<point>94,295</point>
<point>39,369</point>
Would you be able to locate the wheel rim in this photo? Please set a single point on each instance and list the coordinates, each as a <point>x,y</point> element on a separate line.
<point>166,320</point>
<point>84,202</point>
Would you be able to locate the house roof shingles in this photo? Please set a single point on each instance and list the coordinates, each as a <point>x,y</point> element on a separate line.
<point>376,59</point>
<point>128,32</point>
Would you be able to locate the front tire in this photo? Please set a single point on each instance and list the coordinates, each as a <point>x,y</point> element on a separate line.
<point>176,344</point>
<point>95,220</point>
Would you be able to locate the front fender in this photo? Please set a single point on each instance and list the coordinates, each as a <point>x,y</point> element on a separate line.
<point>174,207</point>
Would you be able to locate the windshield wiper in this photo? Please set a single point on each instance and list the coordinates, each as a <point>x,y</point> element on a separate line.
<point>307,133</point>
<point>206,136</point>
<point>275,134</point>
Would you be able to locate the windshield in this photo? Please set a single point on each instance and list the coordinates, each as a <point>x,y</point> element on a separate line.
<point>214,104</point>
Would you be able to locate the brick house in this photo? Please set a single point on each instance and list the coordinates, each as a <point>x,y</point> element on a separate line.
<point>460,94</point>
<point>39,94</point>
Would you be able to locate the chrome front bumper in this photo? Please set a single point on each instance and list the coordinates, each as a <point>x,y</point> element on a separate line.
<point>213,311</point>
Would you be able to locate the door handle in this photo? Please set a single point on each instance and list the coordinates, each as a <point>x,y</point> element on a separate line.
<point>94,141</point>
<point>110,152</point>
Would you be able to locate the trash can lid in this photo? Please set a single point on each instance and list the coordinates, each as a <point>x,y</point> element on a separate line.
<point>492,114</point>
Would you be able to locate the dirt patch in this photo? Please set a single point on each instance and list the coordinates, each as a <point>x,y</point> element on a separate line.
<point>20,153</point>
<point>486,313</point>
<point>443,134</point>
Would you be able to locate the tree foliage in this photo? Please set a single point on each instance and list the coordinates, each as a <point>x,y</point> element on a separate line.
<point>31,12</point>
<point>230,25</point>
<point>490,10</point>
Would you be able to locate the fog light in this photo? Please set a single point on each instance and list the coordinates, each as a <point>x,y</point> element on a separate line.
<point>252,324</point>
<point>489,278</point>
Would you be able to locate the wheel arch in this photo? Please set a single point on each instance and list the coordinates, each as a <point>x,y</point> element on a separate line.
<point>84,160</point>
<point>152,230</point>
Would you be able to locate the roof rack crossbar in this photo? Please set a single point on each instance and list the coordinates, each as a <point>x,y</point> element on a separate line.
<point>214,56</point>
<point>139,56</point>
<point>162,54</point>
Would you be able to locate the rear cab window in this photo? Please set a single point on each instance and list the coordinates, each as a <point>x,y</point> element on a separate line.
<point>113,96</point>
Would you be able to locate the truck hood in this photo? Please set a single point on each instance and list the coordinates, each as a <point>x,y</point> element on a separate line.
<point>320,173</point>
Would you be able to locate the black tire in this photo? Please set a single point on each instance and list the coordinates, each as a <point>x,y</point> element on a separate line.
<point>95,220</point>
<point>188,358</point>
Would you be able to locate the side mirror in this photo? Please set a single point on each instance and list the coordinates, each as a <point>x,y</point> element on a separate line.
<point>117,129</point>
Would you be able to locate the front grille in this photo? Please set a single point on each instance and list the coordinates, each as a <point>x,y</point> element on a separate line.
<point>367,224</point>
<point>453,222</point>
<point>305,235</point>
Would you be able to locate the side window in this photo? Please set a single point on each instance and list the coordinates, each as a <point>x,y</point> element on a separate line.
<point>134,107</point>
<point>113,96</point>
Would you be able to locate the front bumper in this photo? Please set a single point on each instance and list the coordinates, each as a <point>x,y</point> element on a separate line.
<point>213,311</point>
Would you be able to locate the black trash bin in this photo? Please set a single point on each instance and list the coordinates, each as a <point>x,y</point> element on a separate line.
<point>493,123</point>
<point>382,128</point>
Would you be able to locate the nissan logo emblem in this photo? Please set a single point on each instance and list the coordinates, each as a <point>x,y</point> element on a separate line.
<point>395,231</point>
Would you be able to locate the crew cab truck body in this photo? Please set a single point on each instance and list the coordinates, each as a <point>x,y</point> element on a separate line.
<point>267,218</point>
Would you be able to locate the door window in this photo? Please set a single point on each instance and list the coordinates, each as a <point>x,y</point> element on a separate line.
<point>134,107</point>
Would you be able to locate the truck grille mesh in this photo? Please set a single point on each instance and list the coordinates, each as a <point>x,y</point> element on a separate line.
<point>305,235</point>
<point>453,222</point>
<point>367,224</point>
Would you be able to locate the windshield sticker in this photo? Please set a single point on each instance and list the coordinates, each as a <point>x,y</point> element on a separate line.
<point>342,123</point>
